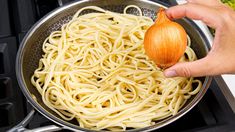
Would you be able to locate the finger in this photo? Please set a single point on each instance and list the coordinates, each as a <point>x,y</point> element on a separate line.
<point>206,2</point>
<point>195,11</point>
<point>197,68</point>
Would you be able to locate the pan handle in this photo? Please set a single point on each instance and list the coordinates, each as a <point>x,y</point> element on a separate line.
<point>21,126</point>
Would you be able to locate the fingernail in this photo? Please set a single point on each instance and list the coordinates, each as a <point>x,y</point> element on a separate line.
<point>170,73</point>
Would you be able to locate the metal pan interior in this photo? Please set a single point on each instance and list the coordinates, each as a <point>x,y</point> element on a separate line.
<point>30,52</point>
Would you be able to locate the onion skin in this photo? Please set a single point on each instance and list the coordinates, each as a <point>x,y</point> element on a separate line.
<point>165,41</point>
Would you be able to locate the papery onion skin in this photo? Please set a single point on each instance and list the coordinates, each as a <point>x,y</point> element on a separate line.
<point>165,41</point>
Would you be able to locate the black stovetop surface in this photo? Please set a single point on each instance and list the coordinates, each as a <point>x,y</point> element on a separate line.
<point>212,114</point>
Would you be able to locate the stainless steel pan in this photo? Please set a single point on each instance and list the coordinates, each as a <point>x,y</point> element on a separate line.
<point>30,51</point>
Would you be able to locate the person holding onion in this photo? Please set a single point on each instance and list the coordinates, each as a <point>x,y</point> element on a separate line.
<point>221,58</point>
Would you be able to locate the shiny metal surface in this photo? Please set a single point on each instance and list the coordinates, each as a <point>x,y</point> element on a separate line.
<point>30,51</point>
<point>21,127</point>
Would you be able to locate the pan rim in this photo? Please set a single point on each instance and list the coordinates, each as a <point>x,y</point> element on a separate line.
<point>68,125</point>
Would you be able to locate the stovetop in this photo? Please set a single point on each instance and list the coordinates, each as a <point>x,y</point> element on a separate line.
<point>212,114</point>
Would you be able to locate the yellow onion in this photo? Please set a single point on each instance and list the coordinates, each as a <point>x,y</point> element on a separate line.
<point>165,41</point>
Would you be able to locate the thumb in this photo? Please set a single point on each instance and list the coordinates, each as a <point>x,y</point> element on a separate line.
<point>197,68</point>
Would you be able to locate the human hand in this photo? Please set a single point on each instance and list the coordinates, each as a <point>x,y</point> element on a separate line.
<point>221,58</point>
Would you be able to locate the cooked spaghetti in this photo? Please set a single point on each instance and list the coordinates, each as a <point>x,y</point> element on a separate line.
<point>95,70</point>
